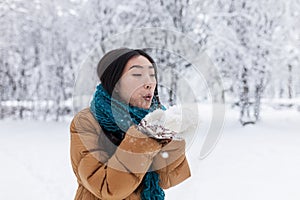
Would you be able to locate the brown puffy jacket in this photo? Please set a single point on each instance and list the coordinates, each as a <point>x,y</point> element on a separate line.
<point>105,171</point>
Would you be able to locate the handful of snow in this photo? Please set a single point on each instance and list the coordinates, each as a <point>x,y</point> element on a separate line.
<point>177,122</point>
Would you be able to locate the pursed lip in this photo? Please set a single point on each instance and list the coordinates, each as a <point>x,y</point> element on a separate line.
<point>147,97</point>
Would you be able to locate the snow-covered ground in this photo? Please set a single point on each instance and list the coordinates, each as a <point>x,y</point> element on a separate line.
<point>258,162</point>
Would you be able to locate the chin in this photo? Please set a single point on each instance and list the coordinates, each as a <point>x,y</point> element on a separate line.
<point>147,107</point>
<point>144,105</point>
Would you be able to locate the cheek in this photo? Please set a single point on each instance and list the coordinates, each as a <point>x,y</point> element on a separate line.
<point>128,88</point>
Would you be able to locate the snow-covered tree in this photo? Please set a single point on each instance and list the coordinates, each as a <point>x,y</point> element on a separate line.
<point>254,44</point>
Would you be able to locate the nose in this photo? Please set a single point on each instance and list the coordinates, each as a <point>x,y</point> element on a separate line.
<point>149,82</point>
<point>147,86</point>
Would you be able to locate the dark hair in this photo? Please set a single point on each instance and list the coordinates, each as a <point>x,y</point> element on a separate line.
<point>114,70</point>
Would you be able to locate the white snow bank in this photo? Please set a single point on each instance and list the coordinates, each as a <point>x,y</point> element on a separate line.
<point>254,162</point>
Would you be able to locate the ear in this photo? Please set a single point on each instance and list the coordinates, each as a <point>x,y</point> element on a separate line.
<point>117,87</point>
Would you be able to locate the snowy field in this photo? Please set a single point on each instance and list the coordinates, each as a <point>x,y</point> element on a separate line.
<point>258,162</point>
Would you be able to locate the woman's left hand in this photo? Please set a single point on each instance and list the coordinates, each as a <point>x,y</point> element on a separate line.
<point>170,154</point>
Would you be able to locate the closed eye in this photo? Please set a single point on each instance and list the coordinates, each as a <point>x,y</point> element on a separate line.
<point>136,74</point>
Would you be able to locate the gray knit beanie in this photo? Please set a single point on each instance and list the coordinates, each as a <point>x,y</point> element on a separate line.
<point>110,57</point>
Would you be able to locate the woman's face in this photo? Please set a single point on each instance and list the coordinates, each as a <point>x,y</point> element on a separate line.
<point>137,84</point>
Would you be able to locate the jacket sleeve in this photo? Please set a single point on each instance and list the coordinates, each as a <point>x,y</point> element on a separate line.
<point>171,164</point>
<point>114,177</point>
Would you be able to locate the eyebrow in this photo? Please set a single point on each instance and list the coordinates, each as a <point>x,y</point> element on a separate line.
<point>140,67</point>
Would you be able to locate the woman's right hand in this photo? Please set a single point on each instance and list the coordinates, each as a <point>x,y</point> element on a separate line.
<point>135,153</point>
<point>137,142</point>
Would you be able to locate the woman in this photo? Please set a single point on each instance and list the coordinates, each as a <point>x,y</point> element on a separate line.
<point>111,157</point>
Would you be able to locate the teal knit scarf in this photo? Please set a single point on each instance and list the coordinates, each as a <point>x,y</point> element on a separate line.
<point>117,122</point>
